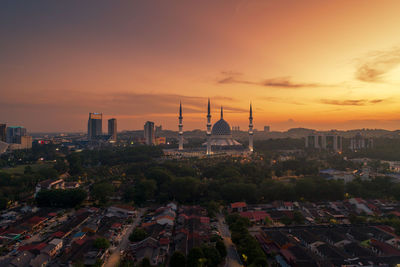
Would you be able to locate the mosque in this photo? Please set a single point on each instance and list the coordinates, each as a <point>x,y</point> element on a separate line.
<point>219,138</point>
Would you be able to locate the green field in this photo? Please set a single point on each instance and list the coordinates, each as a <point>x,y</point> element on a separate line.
<point>20,168</point>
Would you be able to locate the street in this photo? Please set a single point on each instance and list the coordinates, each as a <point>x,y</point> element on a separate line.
<point>113,259</point>
<point>232,258</point>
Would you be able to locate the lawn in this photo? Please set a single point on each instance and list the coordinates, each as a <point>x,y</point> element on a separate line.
<point>20,168</point>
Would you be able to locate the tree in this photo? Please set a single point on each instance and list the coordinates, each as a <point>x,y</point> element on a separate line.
<point>75,164</point>
<point>101,243</point>
<point>145,263</point>
<point>60,165</point>
<point>138,235</point>
<point>68,198</point>
<point>47,173</point>
<point>259,262</point>
<point>212,255</point>
<point>195,257</point>
<point>185,189</point>
<point>298,218</point>
<point>102,192</point>
<point>144,190</point>
<point>3,203</point>
<point>178,259</point>
<point>28,170</point>
<point>220,246</point>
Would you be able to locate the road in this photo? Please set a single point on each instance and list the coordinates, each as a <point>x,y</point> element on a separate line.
<point>113,260</point>
<point>232,258</point>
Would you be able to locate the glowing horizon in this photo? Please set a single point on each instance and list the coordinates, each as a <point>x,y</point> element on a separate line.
<point>309,63</point>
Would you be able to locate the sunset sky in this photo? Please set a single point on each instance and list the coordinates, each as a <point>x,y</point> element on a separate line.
<point>302,63</point>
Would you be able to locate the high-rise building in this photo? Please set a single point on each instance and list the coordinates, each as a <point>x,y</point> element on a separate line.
<point>3,132</point>
<point>112,129</point>
<point>359,142</point>
<point>158,129</point>
<point>327,141</point>
<point>95,125</point>
<point>149,133</point>
<point>14,133</point>
<point>267,129</point>
<point>26,142</point>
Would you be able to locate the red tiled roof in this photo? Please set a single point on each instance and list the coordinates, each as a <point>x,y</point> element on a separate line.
<point>287,255</point>
<point>37,246</point>
<point>238,205</point>
<point>205,220</point>
<point>385,248</point>
<point>58,234</point>
<point>116,225</point>
<point>165,217</point>
<point>80,242</point>
<point>387,229</point>
<point>52,214</point>
<point>255,215</point>
<point>148,223</point>
<point>359,200</point>
<point>164,241</point>
<point>36,220</point>
<point>288,204</point>
<point>125,207</point>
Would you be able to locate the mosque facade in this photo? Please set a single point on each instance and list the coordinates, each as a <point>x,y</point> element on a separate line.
<point>218,136</point>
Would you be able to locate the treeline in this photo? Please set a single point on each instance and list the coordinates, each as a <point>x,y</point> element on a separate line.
<point>111,157</point>
<point>61,198</point>
<point>230,181</point>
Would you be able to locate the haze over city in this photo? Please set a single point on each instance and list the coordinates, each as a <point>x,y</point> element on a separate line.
<point>316,64</point>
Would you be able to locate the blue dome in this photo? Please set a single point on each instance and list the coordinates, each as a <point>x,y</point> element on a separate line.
<point>221,127</point>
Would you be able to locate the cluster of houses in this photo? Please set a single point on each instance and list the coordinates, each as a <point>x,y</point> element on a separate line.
<point>47,237</point>
<point>331,245</point>
<point>171,229</point>
<point>338,212</point>
<point>325,237</point>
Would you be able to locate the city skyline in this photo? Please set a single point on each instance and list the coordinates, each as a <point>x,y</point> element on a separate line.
<point>305,63</point>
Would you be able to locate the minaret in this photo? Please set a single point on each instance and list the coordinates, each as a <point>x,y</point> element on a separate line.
<point>251,129</point>
<point>222,113</point>
<point>180,127</point>
<point>208,129</point>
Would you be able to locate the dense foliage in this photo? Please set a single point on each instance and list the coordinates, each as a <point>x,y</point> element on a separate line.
<point>138,235</point>
<point>68,198</point>
<point>248,247</point>
<point>101,243</point>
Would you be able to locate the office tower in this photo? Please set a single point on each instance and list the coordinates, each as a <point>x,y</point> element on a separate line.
<point>3,132</point>
<point>251,129</point>
<point>180,128</point>
<point>149,133</point>
<point>112,129</point>
<point>95,125</point>
<point>267,129</point>
<point>14,133</point>
<point>158,129</point>
<point>26,142</point>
